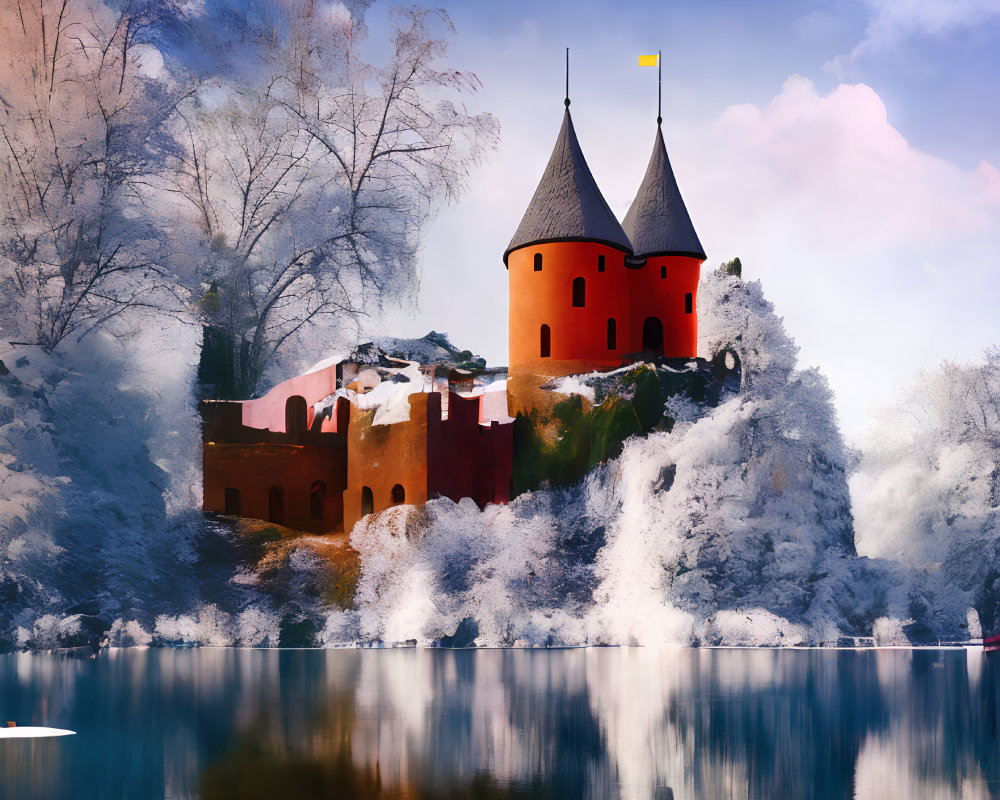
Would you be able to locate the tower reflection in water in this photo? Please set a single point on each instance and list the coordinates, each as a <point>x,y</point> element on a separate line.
<point>600,723</point>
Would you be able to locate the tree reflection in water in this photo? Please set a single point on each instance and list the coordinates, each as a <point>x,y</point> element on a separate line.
<point>598,723</point>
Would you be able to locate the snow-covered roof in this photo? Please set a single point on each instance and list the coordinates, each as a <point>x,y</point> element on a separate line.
<point>567,205</point>
<point>658,222</point>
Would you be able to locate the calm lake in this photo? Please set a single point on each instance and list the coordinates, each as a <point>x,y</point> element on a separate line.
<point>598,723</point>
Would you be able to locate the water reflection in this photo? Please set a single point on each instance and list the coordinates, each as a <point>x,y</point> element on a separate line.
<point>599,723</point>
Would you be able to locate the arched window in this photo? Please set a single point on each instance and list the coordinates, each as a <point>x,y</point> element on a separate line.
<point>663,271</point>
<point>234,504</point>
<point>295,416</point>
<point>689,303</point>
<point>600,263</point>
<point>538,262</point>
<point>652,336</point>
<point>579,292</point>
<point>276,505</point>
<point>612,334</point>
<point>398,494</point>
<point>317,498</point>
<point>545,348</point>
<point>367,501</point>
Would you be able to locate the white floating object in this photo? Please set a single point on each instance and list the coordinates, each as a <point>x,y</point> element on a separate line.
<point>32,732</point>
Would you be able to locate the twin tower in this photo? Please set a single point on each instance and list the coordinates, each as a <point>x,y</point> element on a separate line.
<point>588,292</point>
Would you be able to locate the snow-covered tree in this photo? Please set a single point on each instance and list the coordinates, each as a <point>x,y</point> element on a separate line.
<point>740,517</point>
<point>310,176</point>
<point>927,493</point>
<point>83,98</point>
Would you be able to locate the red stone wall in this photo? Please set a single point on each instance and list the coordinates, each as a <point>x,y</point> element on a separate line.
<point>381,456</point>
<point>579,341</point>
<point>254,469</point>
<point>652,295</point>
<point>466,459</point>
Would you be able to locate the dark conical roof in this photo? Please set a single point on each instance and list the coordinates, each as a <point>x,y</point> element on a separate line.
<point>658,222</point>
<point>567,205</point>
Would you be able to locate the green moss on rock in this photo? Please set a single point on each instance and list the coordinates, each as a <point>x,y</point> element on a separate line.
<point>558,445</point>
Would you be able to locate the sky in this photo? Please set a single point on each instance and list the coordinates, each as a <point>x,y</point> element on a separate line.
<point>847,152</point>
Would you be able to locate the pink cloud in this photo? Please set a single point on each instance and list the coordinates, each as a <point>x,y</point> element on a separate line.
<point>868,245</point>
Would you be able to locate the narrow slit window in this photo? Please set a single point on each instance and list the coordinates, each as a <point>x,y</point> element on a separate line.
<point>579,292</point>
<point>600,263</point>
<point>545,348</point>
<point>612,334</point>
<point>234,505</point>
<point>276,505</point>
<point>663,271</point>
<point>538,262</point>
<point>317,499</point>
<point>689,303</point>
<point>367,501</point>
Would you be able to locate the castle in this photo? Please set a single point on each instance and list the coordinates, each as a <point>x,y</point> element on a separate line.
<point>349,438</point>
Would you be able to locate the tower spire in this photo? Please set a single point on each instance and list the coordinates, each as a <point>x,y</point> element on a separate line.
<point>566,101</point>
<point>659,81</point>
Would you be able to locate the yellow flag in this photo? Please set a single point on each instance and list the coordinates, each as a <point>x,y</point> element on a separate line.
<point>649,61</point>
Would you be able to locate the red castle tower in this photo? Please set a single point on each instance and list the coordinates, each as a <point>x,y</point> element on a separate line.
<point>588,293</point>
<point>666,261</point>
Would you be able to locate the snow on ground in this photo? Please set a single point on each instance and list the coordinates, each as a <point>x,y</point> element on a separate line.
<point>572,384</point>
<point>390,397</point>
<point>326,363</point>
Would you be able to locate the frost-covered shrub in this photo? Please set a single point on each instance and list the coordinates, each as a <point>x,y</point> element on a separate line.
<point>521,571</point>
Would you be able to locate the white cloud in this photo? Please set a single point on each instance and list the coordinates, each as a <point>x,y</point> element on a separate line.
<point>893,21</point>
<point>839,154</point>
<point>882,258</point>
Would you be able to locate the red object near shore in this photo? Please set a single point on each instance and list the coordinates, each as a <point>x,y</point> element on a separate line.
<point>991,643</point>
